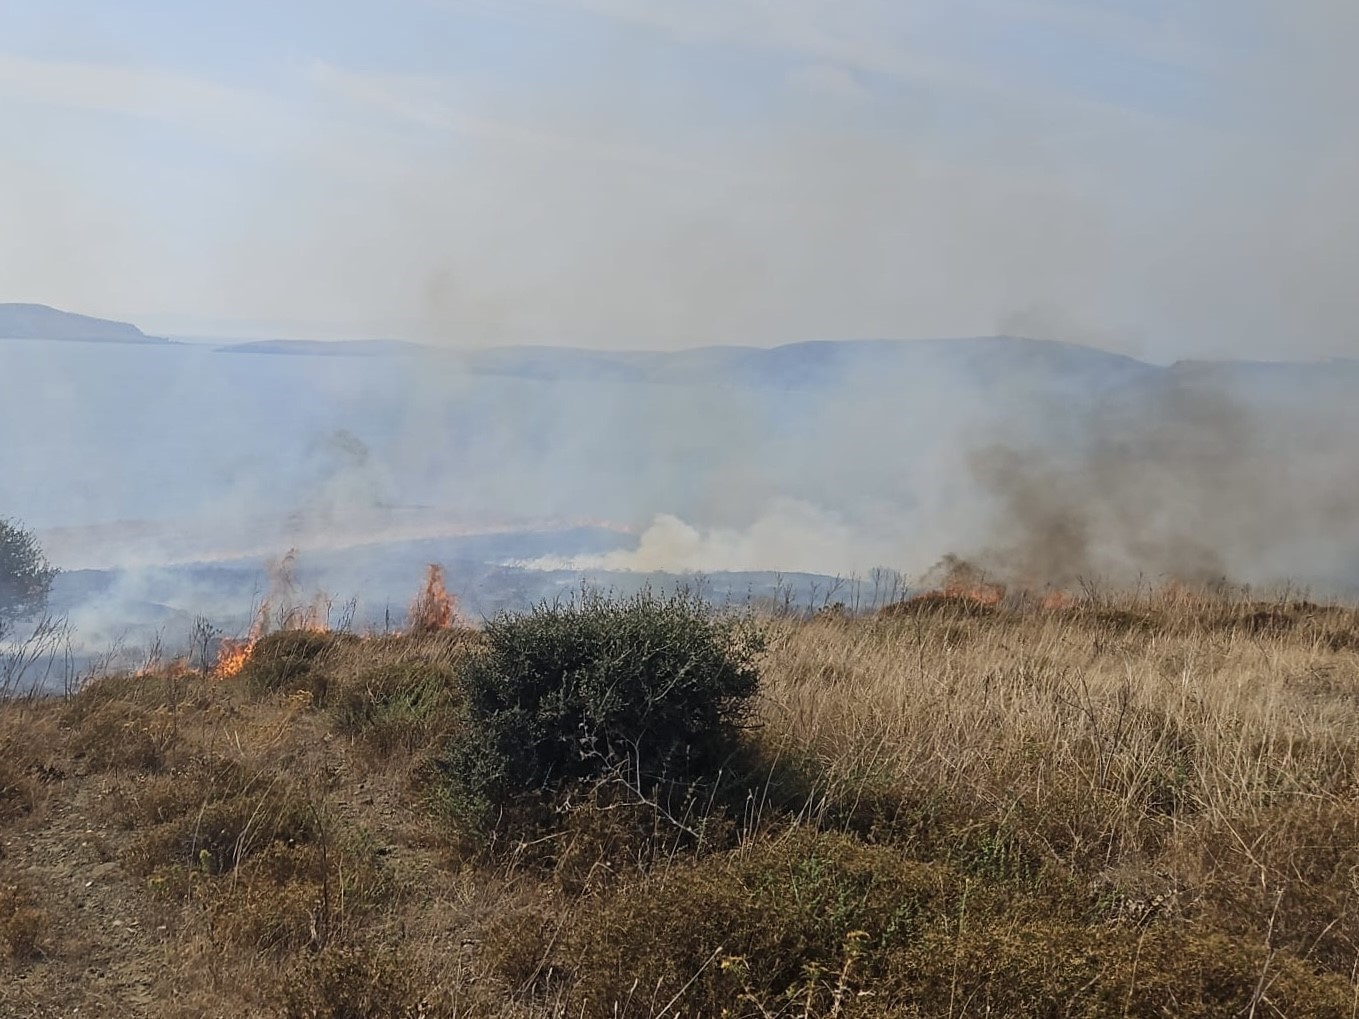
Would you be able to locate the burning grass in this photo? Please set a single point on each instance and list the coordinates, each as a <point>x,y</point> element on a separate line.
<point>434,609</point>
<point>1134,805</point>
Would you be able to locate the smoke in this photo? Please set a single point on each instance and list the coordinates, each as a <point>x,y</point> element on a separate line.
<point>1189,481</point>
<point>792,536</point>
<point>678,176</point>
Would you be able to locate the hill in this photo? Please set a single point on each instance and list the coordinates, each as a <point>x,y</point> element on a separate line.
<point>818,458</point>
<point>320,348</point>
<point>39,322</point>
<point>1126,806</point>
<point>819,364</point>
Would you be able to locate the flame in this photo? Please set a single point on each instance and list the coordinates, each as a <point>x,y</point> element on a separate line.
<point>957,580</point>
<point>231,657</point>
<point>1055,601</point>
<point>434,608</point>
<point>989,595</point>
<point>176,668</point>
<point>233,653</point>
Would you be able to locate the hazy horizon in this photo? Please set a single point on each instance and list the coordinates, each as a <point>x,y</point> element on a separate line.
<point>1143,180</point>
<point>248,334</point>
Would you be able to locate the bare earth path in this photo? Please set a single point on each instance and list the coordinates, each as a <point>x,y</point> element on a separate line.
<point>103,953</point>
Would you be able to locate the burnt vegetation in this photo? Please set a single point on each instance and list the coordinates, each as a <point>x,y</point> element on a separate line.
<point>977,803</point>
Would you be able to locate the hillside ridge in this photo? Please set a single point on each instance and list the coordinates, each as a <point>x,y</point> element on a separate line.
<point>42,322</point>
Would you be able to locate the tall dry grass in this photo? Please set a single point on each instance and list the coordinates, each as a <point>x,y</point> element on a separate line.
<point>1189,755</point>
<point>1130,805</point>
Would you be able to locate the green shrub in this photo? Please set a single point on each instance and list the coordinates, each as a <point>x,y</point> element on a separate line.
<point>293,660</point>
<point>654,690</point>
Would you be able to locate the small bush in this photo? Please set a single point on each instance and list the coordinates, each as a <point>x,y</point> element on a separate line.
<point>293,660</point>
<point>213,828</point>
<point>654,689</point>
<point>23,924</point>
<point>778,921</point>
<point>351,982</point>
<point>17,793</point>
<point>290,897</point>
<point>818,924</point>
<point>401,704</point>
<point>1295,863</point>
<point>121,735</point>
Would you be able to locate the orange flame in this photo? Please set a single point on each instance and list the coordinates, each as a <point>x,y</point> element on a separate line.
<point>956,580</point>
<point>1056,600</point>
<point>233,653</point>
<point>979,593</point>
<point>231,657</point>
<point>959,582</point>
<point>176,668</point>
<point>434,609</point>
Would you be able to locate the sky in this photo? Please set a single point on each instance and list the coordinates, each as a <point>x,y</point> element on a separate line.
<point>1163,179</point>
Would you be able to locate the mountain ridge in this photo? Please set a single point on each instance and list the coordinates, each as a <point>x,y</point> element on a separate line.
<point>21,321</point>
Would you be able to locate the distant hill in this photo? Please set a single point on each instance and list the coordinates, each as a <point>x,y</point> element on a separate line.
<point>323,348</point>
<point>826,457</point>
<point>39,322</point>
<point>820,364</point>
<point>811,365</point>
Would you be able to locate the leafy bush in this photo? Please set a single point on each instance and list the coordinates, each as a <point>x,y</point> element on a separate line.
<point>648,689</point>
<point>25,574</point>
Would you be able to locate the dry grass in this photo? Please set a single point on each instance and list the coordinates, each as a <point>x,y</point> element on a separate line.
<point>1130,806</point>
<point>23,923</point>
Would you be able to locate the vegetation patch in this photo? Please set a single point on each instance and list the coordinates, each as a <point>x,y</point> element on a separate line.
<point>650,692</point>
<point>23,924</point>
<point>1044,810</point>
<point>398,705</point>
<point>289,660</point>
<point>216,814</point>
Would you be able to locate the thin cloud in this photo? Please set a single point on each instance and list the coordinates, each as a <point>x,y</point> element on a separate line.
<point>426,101</point>
<point>224,113</point>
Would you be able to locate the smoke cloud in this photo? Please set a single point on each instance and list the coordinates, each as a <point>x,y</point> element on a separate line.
<point>1192,482</point>
<point>650,176</point>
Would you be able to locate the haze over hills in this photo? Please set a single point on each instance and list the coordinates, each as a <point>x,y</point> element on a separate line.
<point>1046,460</point>
<point>39,322</point>
<point>804,365</point>
<point>322,348</point>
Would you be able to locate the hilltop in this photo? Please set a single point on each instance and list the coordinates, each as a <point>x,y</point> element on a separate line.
<point>39,322</point>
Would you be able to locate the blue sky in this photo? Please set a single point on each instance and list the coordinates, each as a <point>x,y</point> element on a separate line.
<point>1164,178</point>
